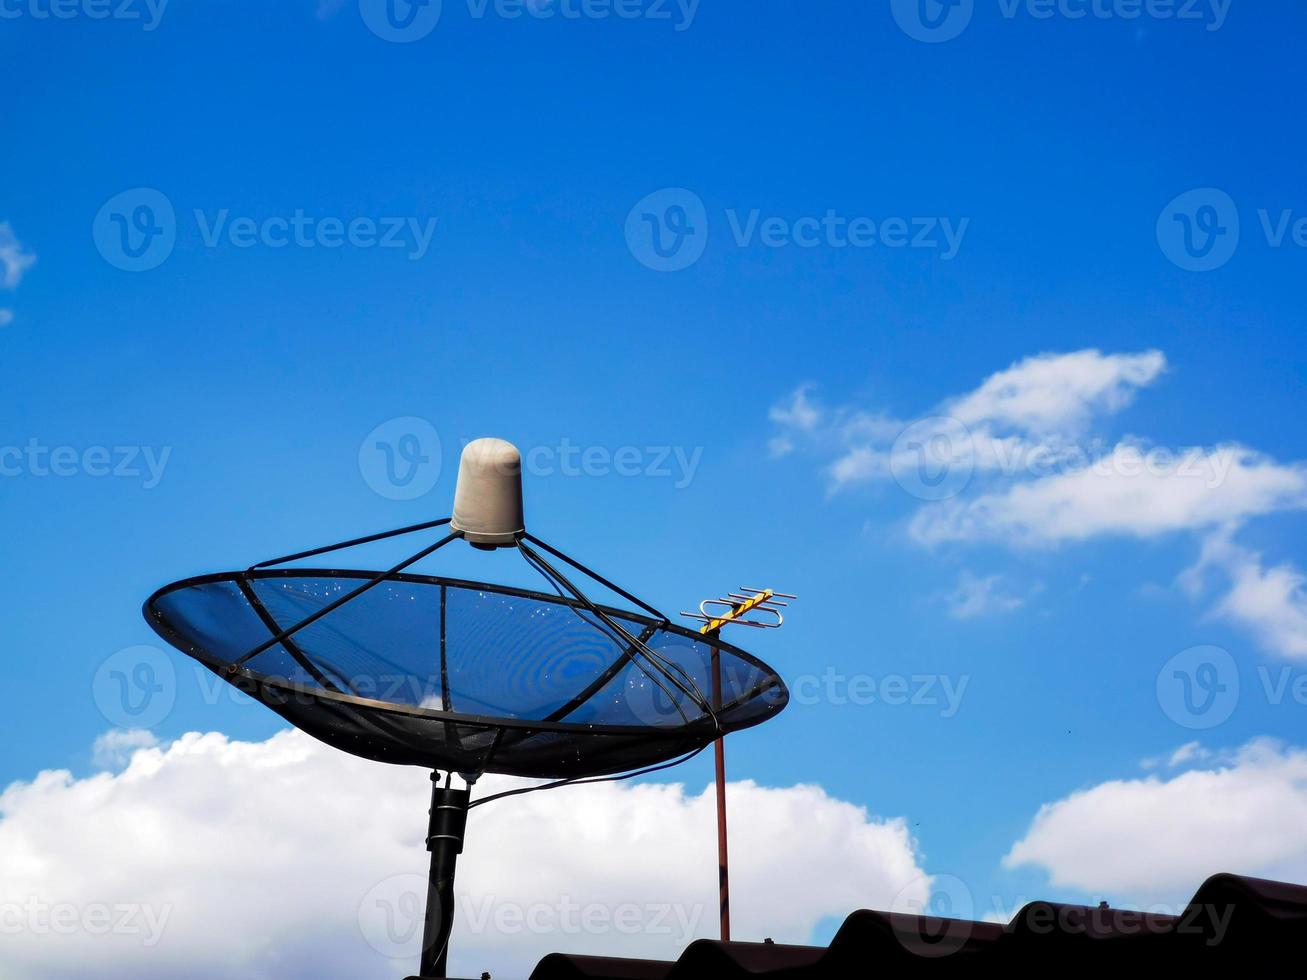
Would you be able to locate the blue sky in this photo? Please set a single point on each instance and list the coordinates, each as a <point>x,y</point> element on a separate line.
<point>855,228</point>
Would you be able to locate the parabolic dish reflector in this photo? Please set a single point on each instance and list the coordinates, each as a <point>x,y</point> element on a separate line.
<point>466,676</point>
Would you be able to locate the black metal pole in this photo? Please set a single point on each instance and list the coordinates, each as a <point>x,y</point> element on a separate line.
<point>445,842</point>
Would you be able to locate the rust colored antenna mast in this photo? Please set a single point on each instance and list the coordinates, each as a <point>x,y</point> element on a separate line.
<point>732,610</point>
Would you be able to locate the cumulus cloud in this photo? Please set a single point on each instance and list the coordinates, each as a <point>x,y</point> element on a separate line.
<point>1018,462</point>
<point>114,749</point>
<point>1132,492</point>
<point>1030,409</point>
<point>211,858</point>
<point>1155,840</point>
<point>1053,393</point>
<point>1270,602</point>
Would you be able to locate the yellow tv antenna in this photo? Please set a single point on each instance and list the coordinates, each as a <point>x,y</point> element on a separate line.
<point>759,609</point>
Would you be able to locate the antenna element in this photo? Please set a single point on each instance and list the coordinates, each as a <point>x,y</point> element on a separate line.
<point>737,605</point>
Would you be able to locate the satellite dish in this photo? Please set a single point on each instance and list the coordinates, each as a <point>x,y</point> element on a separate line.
<point>468,677</point>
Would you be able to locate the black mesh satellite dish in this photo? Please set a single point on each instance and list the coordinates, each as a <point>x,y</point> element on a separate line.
<point>468,677</point>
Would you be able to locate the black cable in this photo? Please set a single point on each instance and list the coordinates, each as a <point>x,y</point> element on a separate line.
<point>596,576</point>
<point>690,688</point>
<point>336,604</point>
<point>367,539</point>
<point>626,639</point>
<point>579,781</point>
<point>631,644</point>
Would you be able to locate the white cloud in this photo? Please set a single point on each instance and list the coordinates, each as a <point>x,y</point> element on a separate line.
<point>262,860</point>
<point>1051,397</point>
<point>800,420</point>
<point>976,596</point>
<point>6,317</point>
<point>795,416</point>
<point>1191,753</point>
<point>797,412</point>
<point>14,260</point>
<point>1054,393</point>
<point>858,465</point>
<point>114,749</point>
<point>1133,491</point>
<point>1016,463</point>
<point>1270,602</point>
<point>1154,839</point>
